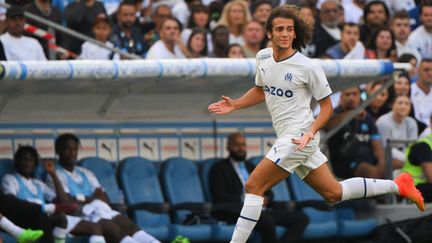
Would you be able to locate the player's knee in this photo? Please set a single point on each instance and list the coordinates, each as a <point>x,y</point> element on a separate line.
<point>253,188</point>
<point>333,196</point>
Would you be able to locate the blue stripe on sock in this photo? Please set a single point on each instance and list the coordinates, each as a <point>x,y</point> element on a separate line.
<point>253,220</point>
<point>278,160</point>
<point>365,187</point>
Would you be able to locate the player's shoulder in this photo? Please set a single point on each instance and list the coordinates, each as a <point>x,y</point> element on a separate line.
<point>264,54</point>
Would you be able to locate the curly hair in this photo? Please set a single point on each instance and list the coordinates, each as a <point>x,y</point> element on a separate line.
<point>61,141</point>
<point>23,150</point>
<point>302,29</point>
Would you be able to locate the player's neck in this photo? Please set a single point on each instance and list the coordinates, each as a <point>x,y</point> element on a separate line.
<point>280,54</point>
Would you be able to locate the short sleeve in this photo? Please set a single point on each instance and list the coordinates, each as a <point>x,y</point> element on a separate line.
<point>258,78</point>
<point>318,83</point>
<point>10,185</point>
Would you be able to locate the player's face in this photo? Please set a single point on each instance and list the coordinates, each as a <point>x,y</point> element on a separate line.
<point>237,148</point>
<point>68,154</point>
<point>282,34</point>
<point>26,164</point>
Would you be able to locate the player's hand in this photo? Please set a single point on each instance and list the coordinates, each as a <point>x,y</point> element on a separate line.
<point>49,166</point>
<point>225,106</point>
<point>303,141</point>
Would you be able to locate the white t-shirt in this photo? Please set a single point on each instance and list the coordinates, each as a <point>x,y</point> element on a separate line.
<point>76,177</point>
<point>11,186</point>
<point>159,51</point>
<point>90,51</point>
<point>406,48</point>
<point>289,86</point>
<point>22,49</point>
<point>388,128</point>
<point>421,40</point>
<point>352,13</point>
<point>421,103</point>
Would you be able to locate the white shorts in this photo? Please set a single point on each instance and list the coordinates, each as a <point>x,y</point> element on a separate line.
<point>301,162</point>
<point>97,210</point>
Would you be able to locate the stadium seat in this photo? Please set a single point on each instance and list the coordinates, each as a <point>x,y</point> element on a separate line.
<point>6,166</point>
<point>204,170</point>
<point>6,237</point>
<point>339,222</point>
<point>106,175</point>
<point>182,186</point>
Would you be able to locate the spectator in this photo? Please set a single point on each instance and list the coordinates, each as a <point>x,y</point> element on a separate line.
<point>381,45</point>
<point>220,39</point>
<point>400,25</point>
<point>354,11</point>
<point>378,106</point>
<point>349,38</point>
<point>308,14</point>
<point>170,44</point>
<point>355,150</point>
<point>44,9</point>
<point>101,30</point>
<point>17,47</point>
<point>398,125</point>
<point>126,36</point>
<point>199,18</point>
<point>376,14</point>
<point>262,11</point>
<point>421,95</point>
<point>22,185</point>
<point>413,61</point>
<point>80,16</point>
<point>234,51</point>
<point>401,86</point>
<point>151,30</point>
<point>235,16</point>
<point>253,36</point>
<point>82,187</point>
<point>197,43</point>
<point>421,38</point>
<point>396,6</point>
<point>181,10</point>
<point>418,164</point>
<point>227,181</point>
<point>215,9</point>
<point>327,32</point>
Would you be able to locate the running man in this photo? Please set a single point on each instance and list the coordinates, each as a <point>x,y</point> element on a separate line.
<point>287,80</point>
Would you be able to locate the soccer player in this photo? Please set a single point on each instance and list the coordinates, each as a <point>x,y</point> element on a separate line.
<point>287,80</point>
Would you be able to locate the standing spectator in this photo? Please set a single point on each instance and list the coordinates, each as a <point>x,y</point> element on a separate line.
<point>400,25</point>
<point>421,38</point>
<point>197,43</point>
<point>235,16</point>
<point>354,11</point>
<point>44,9</point>
<point>234,51</point>
<point>151,30</point>
<point>101,30</point>
<point>421,95</point>
<point>262,11</point>
<point>327,32</point>
<point>381,45</point>
<point>126,36</point>
<point>378,106</point>
<point>376,14</point>
<point>349,38</point>
<point>355,150</point>
<point>253,36</point>
<point>170,44</point>
<point>16,46</point>
<point>80,16</point>
<point>220,39</point>
<point>199,18</point>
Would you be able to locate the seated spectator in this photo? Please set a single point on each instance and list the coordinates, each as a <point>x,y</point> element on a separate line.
<point>308,14</point>
<point>170,44</point>
<point>80,16</point>
<point>253,35</point>
<point>102,31</point>
<point>420,38</point>
<point>398,125</point>
<point>419,165</point>
<point>215,10</point>
<point>376,14</point>
<point>412,60</point>
<point>400,25</point>
<point>82,187</point>
<point>378,106</point>
<point>235,16</point>
<point>227,181</point>
<point>126,36</point>
<point>349,40</point>
<point>421,95</point>
<point>262,10</point>
<point>22,235</point>
<point>44,9</point>
<point>22,185</point>
<point>151,29</point>
<point>220,39</point>
<point>199,19</point>
<point>197,43</point>
<point>381,45</point>
<point>181,10</point>
<point>355,150</point>
<point>16,46</point>
<point>234,51</point>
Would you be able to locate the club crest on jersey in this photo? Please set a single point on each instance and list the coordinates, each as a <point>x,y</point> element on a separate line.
<point>288,77</point>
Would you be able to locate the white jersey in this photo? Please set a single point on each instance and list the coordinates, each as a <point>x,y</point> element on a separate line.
<point>289,86</point>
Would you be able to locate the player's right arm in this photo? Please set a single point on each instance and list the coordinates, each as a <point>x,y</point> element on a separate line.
<point>227,105</point>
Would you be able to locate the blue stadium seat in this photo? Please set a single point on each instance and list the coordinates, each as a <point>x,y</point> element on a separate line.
<point>106,175</point>
<point>6,166</point>
<point>6,237</point>
<point>182,185</point>
<point>204,169</point>
<point>344,218</point>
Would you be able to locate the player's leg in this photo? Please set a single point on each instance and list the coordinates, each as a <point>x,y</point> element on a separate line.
<point>19,233</point>
<point>265,176</point>
<point>323,181</point>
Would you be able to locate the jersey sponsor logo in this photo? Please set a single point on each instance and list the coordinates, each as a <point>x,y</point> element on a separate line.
<point>278,92</point>
<point>288,77</point>
<point>264,56</point>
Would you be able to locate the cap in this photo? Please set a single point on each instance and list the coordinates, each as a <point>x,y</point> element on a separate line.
<point>14,11</point>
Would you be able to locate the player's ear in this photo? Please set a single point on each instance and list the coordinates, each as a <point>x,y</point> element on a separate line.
<point>269,35</point>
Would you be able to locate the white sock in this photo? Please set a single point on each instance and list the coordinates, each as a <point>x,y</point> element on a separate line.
<point>10,227</point>
<point>143,237</point>
<point>97,239</point>
<point>59,235</point>
<point>358,187</point>
<point>249,216</point>
<point>128,239</point>
<point>48,208</point>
